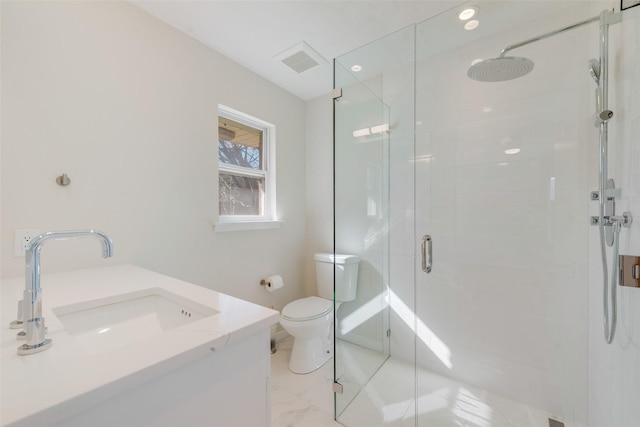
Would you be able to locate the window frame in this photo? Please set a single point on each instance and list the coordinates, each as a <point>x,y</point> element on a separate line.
<point>268,217</point>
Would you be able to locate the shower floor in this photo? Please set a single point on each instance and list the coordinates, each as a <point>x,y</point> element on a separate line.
<point>388,399</point>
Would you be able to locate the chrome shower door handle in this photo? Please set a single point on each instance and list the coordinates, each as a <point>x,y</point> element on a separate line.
<point>427,253</point>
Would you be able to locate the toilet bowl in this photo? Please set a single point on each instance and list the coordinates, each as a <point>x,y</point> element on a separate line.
<point>310,320</point>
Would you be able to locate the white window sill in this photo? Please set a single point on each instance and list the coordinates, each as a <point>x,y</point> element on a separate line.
<point>246,225</point>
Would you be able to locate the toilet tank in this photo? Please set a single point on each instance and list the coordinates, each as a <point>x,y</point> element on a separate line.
<point>346,276</point>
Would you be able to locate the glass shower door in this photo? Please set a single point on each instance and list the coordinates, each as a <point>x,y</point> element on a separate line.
<point>361,144</point>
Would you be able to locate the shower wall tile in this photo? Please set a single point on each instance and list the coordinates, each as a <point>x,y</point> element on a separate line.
<point>614,372</point>
<point>509,298</point>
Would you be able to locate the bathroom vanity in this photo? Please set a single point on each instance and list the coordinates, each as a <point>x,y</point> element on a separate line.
<point>131,347</point>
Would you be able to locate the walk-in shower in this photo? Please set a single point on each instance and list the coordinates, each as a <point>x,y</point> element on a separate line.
<point>505,68</point>
<point>491,189</point>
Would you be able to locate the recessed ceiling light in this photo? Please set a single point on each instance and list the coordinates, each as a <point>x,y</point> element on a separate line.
<point>356,68</point>
<point>471,25</point>
<point>512,151</point>
<point>467,13</point>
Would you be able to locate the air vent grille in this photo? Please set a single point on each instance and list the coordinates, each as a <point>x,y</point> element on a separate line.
<point>300,62</point>
<point>301,58</point>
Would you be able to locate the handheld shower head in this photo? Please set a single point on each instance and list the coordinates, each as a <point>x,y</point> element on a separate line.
<point>500,69</point>
<point>594,70</point>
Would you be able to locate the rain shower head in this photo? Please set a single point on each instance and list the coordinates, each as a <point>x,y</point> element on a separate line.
<point>500,69</point>
<point>511,67</point>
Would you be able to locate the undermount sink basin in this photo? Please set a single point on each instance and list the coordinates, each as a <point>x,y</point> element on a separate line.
<point>109,323</point>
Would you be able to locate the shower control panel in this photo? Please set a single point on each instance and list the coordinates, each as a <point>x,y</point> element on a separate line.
<point>630,271</point>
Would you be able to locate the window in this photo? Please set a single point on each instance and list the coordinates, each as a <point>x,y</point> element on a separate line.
<point>246,166</point>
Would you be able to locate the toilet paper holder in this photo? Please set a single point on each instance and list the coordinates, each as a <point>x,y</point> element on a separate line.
<point>272,283</point>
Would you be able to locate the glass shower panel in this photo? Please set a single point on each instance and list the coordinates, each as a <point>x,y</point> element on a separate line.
<point>502,187</point>
<point>374,157</point>
<point>361,144</point>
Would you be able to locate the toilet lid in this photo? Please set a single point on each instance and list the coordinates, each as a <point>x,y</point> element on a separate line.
<point>307,308</point>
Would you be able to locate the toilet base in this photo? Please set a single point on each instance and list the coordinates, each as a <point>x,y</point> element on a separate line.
<point>309,354</point>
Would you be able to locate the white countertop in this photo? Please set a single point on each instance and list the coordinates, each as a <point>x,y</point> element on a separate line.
<point>65,378</point>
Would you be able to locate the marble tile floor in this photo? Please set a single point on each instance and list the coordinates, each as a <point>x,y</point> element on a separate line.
<point>300,400</point>
<point>387,398</point>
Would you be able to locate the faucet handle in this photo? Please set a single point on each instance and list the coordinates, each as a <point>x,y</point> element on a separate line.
<point>17,324</point>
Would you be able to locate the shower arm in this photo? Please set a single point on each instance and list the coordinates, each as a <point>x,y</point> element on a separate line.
<point>547,35</point>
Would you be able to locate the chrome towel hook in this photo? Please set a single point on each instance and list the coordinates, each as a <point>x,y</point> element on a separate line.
<point>63,180</point>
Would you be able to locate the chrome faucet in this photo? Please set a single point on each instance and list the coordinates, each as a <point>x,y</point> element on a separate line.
<point>31,318</point>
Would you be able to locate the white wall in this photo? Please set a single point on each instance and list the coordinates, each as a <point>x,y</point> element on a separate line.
<point>127,107</point>
<point>614,372</point>
<point>319,183</point>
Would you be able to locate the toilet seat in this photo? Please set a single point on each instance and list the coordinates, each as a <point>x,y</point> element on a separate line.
<point>307,309</point>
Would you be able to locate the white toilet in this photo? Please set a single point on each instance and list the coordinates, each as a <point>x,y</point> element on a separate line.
<point>310,320</point>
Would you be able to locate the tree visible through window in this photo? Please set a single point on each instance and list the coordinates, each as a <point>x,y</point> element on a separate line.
<point>243,172</point>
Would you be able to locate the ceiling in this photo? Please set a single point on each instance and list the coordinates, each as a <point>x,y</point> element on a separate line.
<point>253,33</point>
